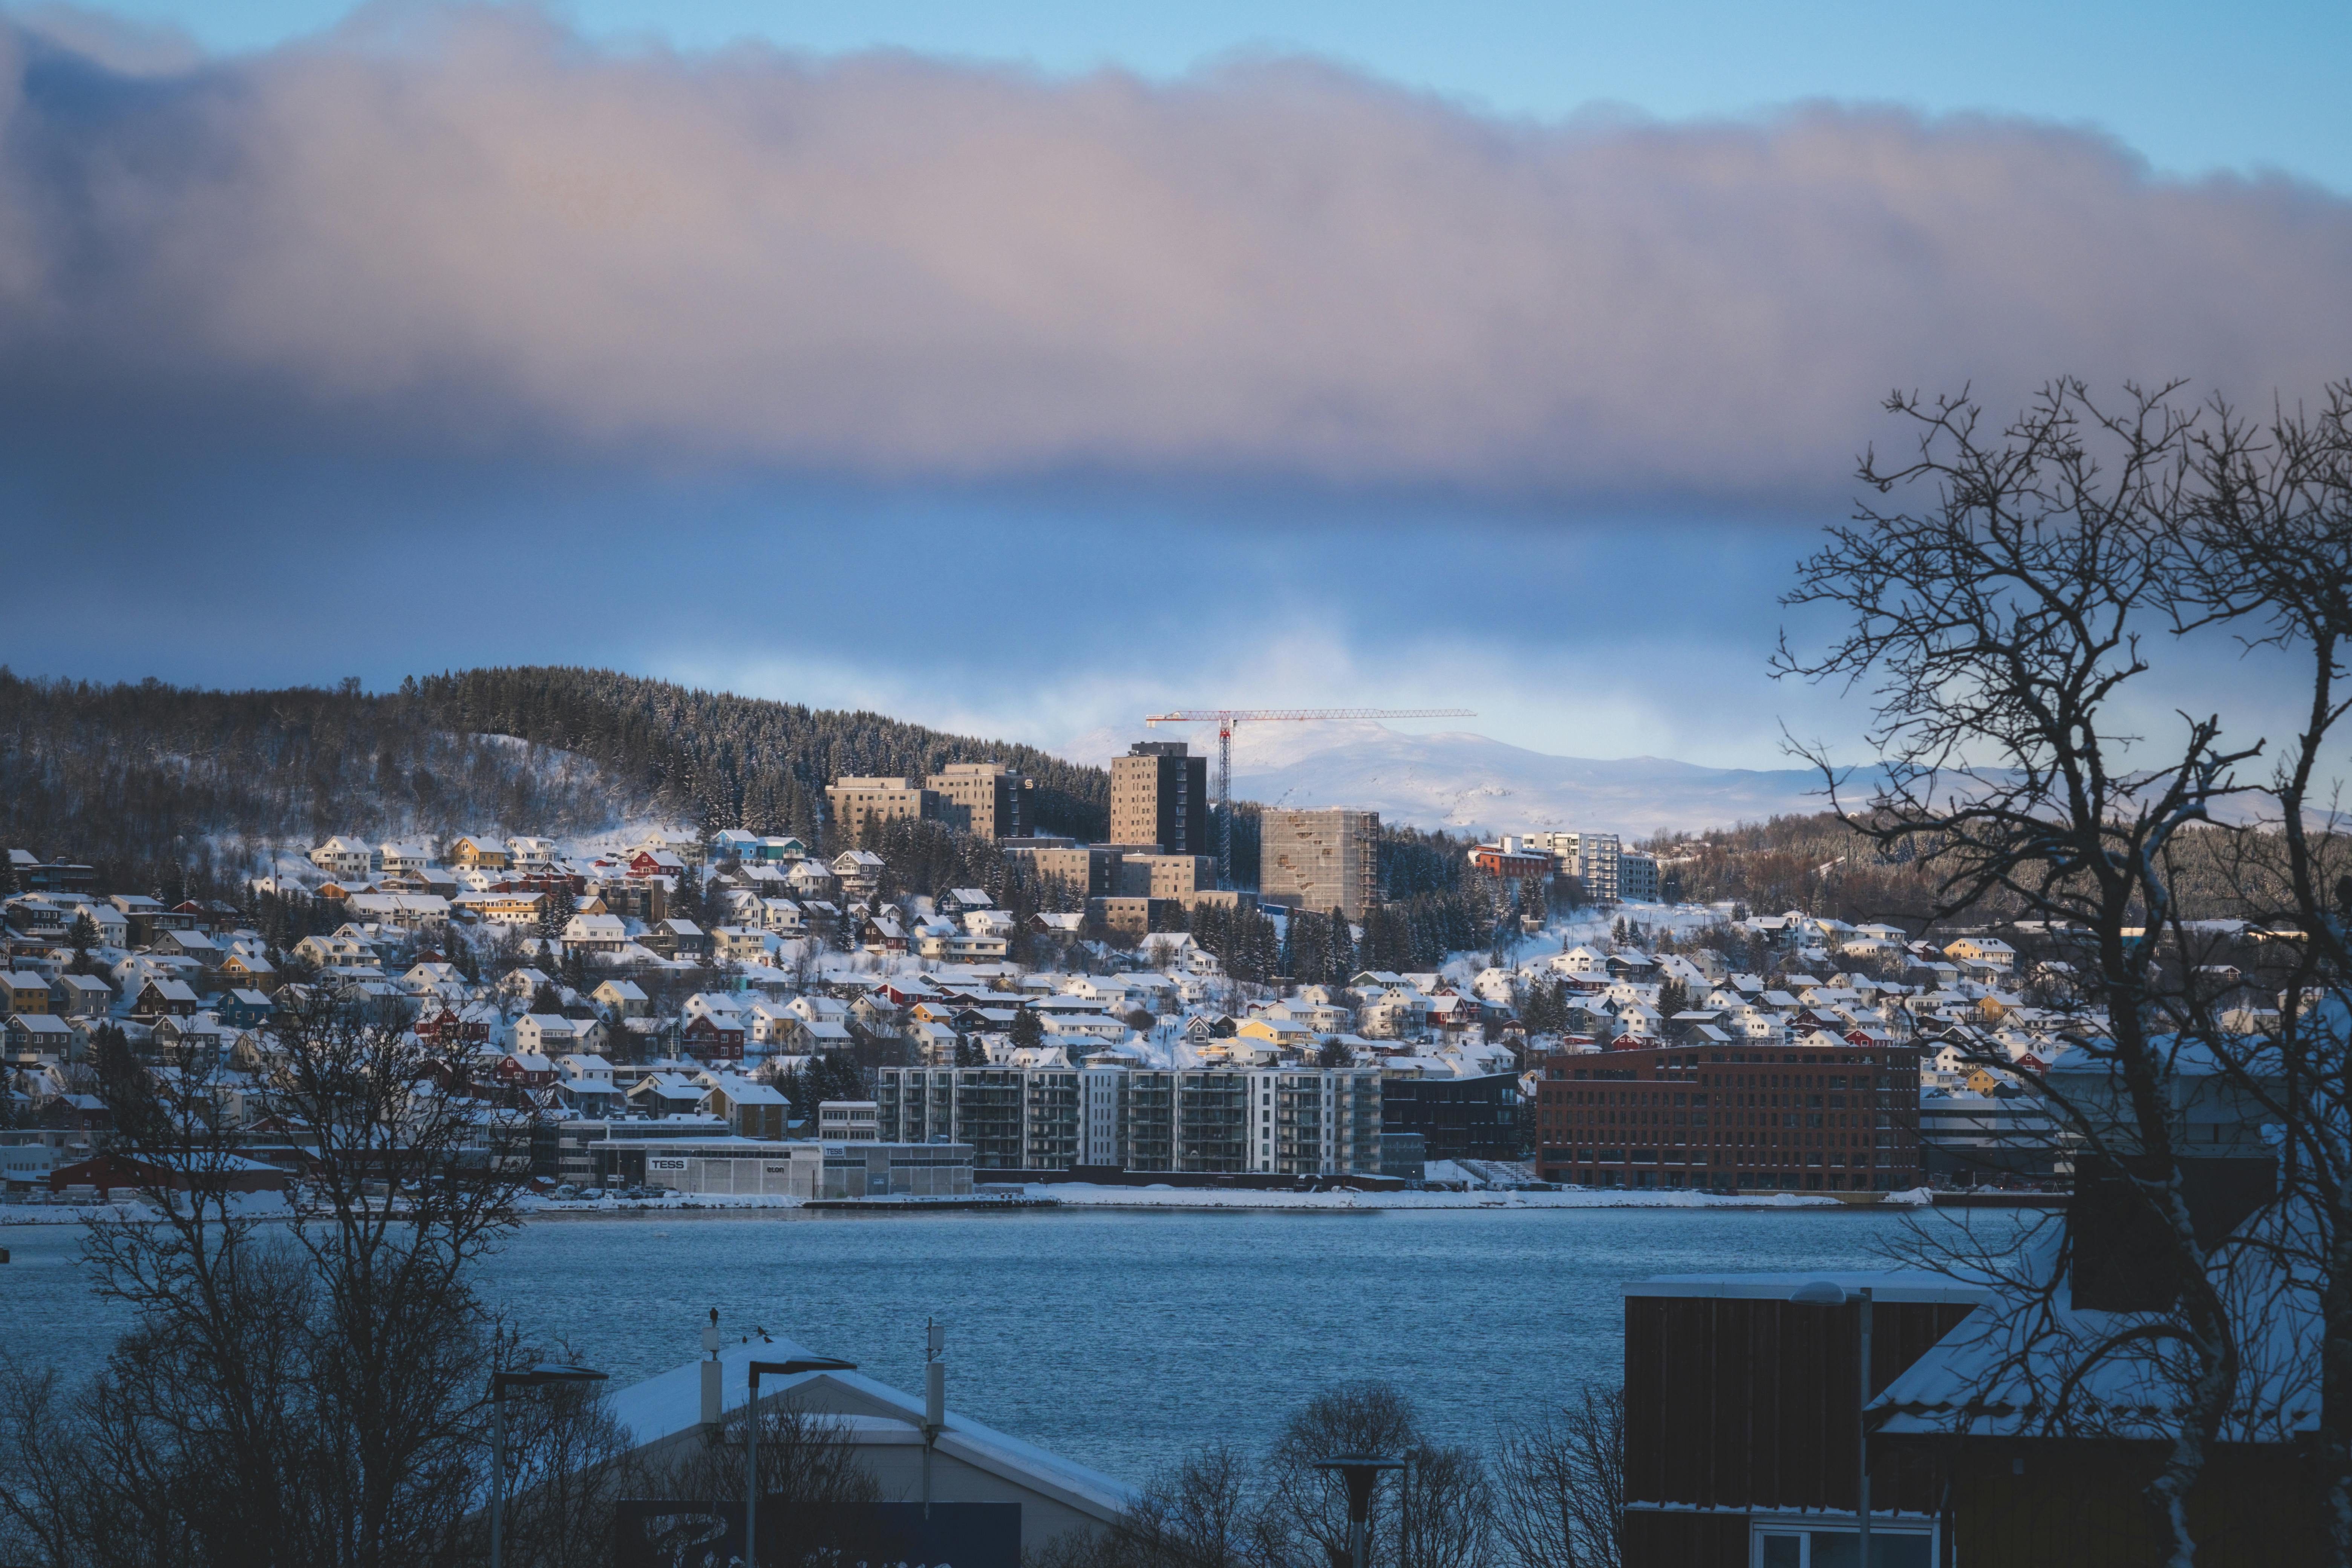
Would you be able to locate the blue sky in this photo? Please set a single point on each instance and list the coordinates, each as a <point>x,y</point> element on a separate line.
<point>1024,367</point>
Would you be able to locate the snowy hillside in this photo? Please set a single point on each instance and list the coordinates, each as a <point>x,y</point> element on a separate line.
<point>1464,780</point>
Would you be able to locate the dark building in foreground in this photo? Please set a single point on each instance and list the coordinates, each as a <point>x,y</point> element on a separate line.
<point>2008,1423</point>
<point>1808,1118</point>
<point>1455,1118</point>
<point>1739,1422</point>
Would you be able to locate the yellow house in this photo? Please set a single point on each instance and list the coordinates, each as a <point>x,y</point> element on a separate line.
<point>1284,1033</point>
<point>490,854</point>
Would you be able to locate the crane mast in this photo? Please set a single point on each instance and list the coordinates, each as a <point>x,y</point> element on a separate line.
<point>1224,718</point>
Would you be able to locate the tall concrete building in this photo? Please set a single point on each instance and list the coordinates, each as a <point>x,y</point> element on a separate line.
<point>856,802</point>
<point>1320,860</point>
<point>985,798</point>
<point>1160,794</point>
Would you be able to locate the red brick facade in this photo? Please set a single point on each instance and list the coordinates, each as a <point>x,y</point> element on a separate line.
<point>1812,1119</point>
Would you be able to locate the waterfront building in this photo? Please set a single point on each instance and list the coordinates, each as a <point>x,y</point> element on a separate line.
<point>1455,1118</point>
<point>1817,1119</point>
<point>1228,1120</point>
<point>714,1164</point>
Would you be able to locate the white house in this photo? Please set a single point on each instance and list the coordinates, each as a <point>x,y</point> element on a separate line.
<point>344,857</point>
<point>596,934</point>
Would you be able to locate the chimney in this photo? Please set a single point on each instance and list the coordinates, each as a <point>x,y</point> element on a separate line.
<point>2121,1254</point>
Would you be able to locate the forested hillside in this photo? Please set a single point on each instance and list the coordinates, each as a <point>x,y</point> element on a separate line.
<point>717,760</point>
<point>135,778</point>
<point>1820,865</point>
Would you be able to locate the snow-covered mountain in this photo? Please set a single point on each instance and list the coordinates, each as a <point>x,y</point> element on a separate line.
<point>1462,781</point>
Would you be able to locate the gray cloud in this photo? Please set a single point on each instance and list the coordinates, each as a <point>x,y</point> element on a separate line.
<point>474,225</point>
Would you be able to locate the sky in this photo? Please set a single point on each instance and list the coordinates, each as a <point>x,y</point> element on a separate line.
<point>1024,368</point>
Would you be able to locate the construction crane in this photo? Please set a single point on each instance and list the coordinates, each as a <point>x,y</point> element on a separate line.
<point>1224,718</point>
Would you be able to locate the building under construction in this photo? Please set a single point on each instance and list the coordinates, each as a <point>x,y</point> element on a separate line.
<point>1320,860</point>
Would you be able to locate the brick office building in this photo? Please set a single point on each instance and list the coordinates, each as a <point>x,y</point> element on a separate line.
<point>1813,1118</point>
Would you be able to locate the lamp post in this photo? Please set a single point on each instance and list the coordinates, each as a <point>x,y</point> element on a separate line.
<point>1362,1473</point>
<point>792,1368</point>
<point>1829,1293</point>
<point>500,1382</point>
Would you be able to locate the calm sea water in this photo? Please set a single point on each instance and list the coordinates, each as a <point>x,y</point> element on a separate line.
<point>1120,1341</point>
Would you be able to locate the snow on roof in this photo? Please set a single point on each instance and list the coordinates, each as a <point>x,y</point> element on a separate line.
<point>1886,1285</point>
<point>671,1402</point>
<point>2000,1369</point>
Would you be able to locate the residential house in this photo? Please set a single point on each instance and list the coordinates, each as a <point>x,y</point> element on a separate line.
<point>745,944</point>
<point>749,1110</point>
<point>681,938</point>
<point>622,999</point>
<point>402,855</point>
<point>1989,951</point>
<point>550,1034</point>
<point>80,996</point>
<point>344,857</point>
<point>481,852</point>
<point>664,1094</point>
<point>596,934</point>
<point>530,853</point>
<point>715,1037</point>
<point>161,997</point>
<point>22,991</point>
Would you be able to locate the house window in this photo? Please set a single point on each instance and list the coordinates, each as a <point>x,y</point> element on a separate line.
<point>1790,1546</point>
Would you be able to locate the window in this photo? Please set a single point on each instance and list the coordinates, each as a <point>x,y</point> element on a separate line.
<point>1782,1546</point>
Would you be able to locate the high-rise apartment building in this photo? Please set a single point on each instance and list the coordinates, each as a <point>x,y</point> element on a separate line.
<point>1594,858</point>
<point>1637,878</point>
<point>984,798</point>
<point>855,802</point>
<point>1320,860</point>
<point>1160,794</point>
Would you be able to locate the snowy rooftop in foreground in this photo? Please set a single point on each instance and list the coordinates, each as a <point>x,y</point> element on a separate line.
<point>1888,1285</point>
<point>671,1402</point>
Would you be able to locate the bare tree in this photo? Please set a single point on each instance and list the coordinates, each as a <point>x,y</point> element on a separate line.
<point>2268,556</point>
<point>1560,1485</point>
<point>1999,630</point>
<point>301,1386</point>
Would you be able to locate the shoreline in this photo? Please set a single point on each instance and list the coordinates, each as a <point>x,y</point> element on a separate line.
<point>1079,1197</point>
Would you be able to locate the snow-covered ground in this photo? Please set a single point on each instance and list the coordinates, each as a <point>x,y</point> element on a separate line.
<point>1077,1194</point>
<point>1459,780</point>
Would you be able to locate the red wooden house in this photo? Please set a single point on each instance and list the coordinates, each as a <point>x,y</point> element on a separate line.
<point>707,1038</point>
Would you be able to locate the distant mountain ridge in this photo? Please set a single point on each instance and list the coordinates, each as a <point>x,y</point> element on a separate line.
<point>1465,782</point>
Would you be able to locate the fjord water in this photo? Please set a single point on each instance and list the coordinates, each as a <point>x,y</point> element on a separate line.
<point>1118,1339</point>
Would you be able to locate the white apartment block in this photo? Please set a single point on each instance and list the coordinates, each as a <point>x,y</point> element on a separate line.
<point>1271,1120</point>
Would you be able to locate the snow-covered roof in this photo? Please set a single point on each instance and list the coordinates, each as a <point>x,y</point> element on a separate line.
<point>670,1402</point>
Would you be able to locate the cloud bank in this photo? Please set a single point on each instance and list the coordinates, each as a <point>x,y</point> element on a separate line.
<point>474,227</point>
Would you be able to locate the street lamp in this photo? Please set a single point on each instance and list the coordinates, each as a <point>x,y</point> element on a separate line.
<point>792,1368</point>
<point>1829,1293</point>
<point>499,1383</point>
<point>1362,1473</point>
